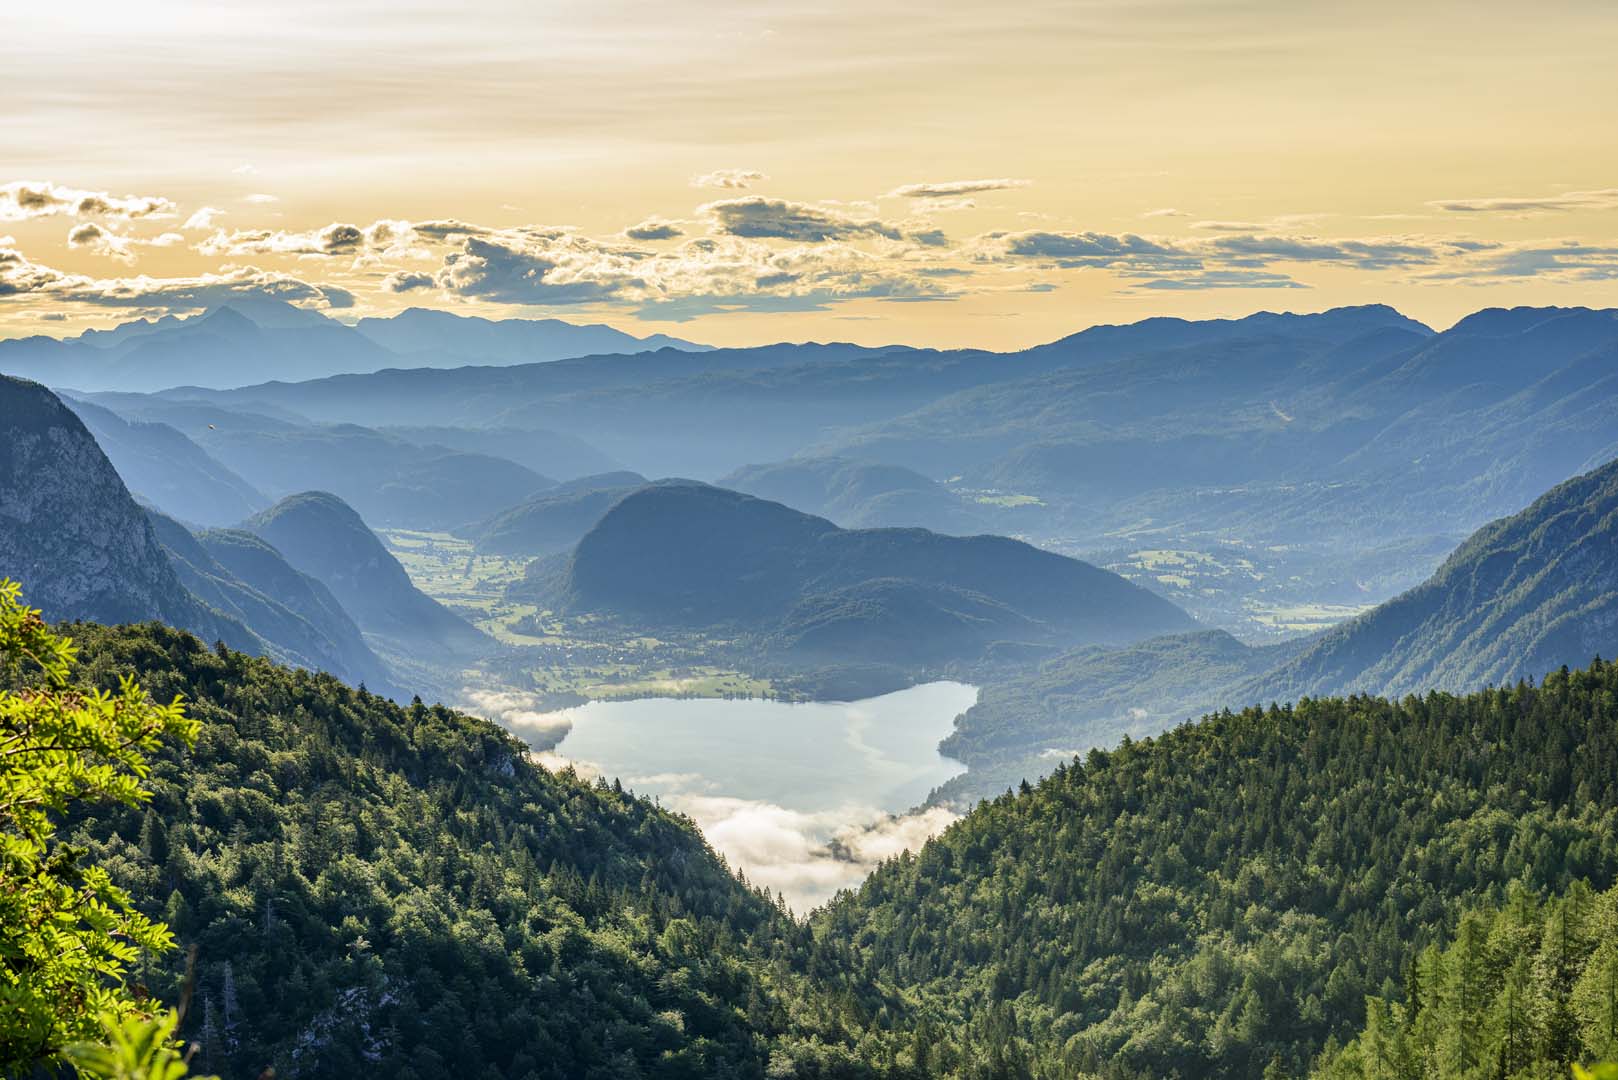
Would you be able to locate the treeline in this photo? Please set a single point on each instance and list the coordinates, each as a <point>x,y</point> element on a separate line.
<point>1522,992</point>
<point>1220,901</point>
<point>382,889</point>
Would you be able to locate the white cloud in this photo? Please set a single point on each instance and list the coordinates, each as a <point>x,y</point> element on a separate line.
<point>655,228</point>
<point>22,200</point>
<point>203,218</point>
<point>22,277</point>
<point>261,199</point>
<point>1603,199</point>
<point>729,178</point>
<point>954,188</point>
<point>522,713</point>
<point>91,236</point>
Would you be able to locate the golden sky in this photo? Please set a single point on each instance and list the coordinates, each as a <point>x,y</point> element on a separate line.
<point>937,172</point>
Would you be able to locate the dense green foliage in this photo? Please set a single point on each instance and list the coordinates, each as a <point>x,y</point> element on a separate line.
<point>380,888</point>
<point>383,889</point>
<point>68,934</point>
<point>1522,991</point>
<point>1224,897</point>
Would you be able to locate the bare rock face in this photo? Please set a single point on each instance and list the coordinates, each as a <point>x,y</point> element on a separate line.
<point>71,533</point>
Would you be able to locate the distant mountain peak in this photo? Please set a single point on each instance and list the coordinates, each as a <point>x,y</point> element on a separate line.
<point>268,313</point>
<point>1501,322</point>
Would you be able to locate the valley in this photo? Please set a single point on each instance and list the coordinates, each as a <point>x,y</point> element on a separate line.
<point>868,709</point>
<point>833,541</point>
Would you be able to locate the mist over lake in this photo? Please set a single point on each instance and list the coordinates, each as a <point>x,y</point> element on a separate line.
<point>773,784</point>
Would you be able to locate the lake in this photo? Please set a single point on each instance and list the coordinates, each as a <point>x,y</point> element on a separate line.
<point>804,798</point>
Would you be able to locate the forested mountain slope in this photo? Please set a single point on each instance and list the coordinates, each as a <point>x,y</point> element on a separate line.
<point>386,890</point>
<point>382,888</point>
<point>679,553</point>
<point>1523,988</point>
<point>1224,897</point>
<point>297,617</point>
<point>323,537</point>
<point>1525,594</point>
<point>554,520</point>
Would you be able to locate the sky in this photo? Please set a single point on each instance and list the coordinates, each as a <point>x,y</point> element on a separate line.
<point>937,173</point>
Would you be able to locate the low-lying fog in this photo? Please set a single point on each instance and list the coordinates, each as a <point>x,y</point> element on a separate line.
<point>805,799</point>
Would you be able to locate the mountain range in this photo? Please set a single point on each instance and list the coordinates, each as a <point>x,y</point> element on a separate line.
<point>1524,595</point>
<point>233,344</point>
<point>304,581</point>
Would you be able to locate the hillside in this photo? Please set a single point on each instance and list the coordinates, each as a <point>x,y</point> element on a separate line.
<point>69,527</point>
<point>381,887</point>
<point>391,482</point>
<point>860,494</point>
<point>1027,720</point>
<point>397,890</point>
<point>1543,975</point>
<point>553,520</point>
<point>683,554</point>
<point>549,453</point>
<point>160,464</point>
<point>1218,901</point>
<point>1523,595</point>
<point>323,537</point>
<point>295,617</point>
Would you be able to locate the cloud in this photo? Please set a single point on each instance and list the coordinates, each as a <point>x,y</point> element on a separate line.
<point>20,276</point>
<point>654,228</point>
<point>408,281</point>
<point>1227,226</point>
<point>953,188</point>
<point>756,217</point>
<point>729,178</point>
<point>95,238</point>
<point>26,199</point>
<point>447,229</point>
<point>1603,199</point>
<point>261,199</point>
<point>521,713</point>
<point>1083,249</point>
<point>1216,279</point>
<point>1165,212</point>
<point>203,218</point>
<point>805,856</point>
<point>700,276</point>
<point>244,169</point>
<point>337,239</point>
<point>1378,253</point>
<point>519,269</point>
<point>90,236</point>
<point>1565,260</point>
